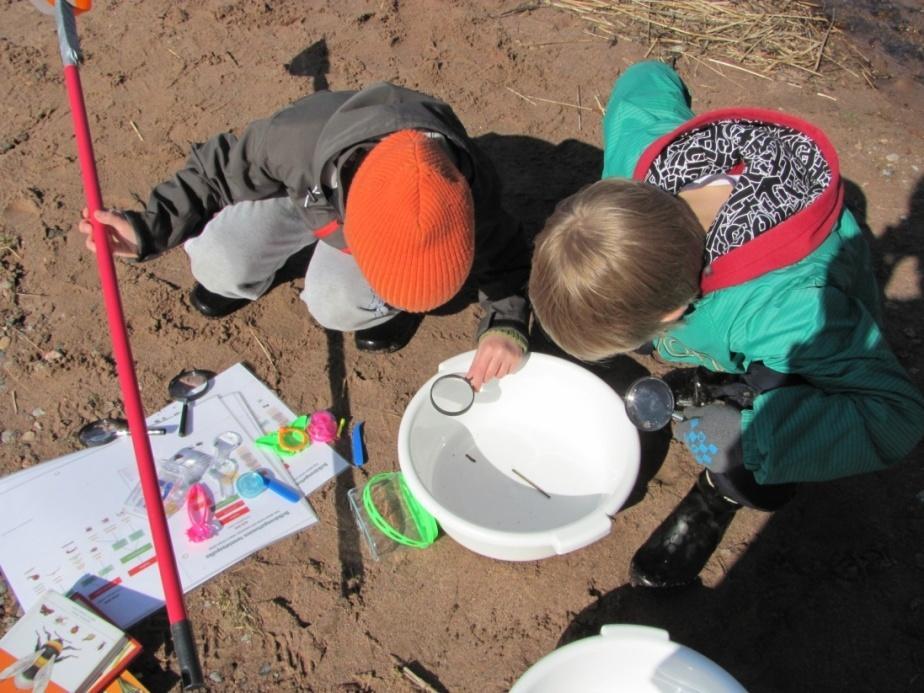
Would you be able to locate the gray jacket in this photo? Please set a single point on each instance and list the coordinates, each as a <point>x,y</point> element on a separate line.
<point>286,154</point>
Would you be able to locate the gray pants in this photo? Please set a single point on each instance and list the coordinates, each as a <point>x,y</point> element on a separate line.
<point>243,246</point>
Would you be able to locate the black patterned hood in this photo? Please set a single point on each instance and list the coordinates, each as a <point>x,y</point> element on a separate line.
<point>788,184</point>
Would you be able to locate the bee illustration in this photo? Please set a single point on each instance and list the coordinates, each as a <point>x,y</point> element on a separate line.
<point>33,672</point>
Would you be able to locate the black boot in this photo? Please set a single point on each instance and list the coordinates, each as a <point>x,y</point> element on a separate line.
<point>214,305</point>
<point>678,549</point>
<point>389,336</point>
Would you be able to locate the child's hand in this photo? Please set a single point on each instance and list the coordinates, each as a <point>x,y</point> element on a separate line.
<point>497,356</point>
<point>712,434</point>
<point>122,239</point>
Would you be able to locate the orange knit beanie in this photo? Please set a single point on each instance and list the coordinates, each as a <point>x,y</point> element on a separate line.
<point>410,222</point>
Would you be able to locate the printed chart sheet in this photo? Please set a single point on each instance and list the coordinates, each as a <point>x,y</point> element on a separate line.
<point>78,523</point>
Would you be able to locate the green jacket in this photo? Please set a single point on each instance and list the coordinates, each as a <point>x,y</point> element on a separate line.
<point>816,316</point>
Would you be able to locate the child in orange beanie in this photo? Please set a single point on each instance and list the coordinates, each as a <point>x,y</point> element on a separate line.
<point>400,204</point>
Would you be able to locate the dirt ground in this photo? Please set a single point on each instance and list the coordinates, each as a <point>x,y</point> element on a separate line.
<point>826,594</point>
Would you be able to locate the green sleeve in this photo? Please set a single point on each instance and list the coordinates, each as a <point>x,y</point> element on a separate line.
<point>857,412</point>
<point>648,101</point>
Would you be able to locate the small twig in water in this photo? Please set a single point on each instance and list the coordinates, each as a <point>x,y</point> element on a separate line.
<point>530,483</point>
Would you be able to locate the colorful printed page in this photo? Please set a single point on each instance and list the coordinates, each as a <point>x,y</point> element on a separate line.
<point>57,646</point>
<point>89,533</point>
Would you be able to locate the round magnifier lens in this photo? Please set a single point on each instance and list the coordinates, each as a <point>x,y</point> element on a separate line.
<point>190,385</point>
<point>102,431</point>
<point>452,394</point>
<point>250,484</point>
<point>649,403</point>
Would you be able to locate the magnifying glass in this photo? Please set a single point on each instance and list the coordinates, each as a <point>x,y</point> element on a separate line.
<point>252,484</point>
<point>104,431</point>
<point>650,404</point>
<point>187,386</point>
<point>452,394</point>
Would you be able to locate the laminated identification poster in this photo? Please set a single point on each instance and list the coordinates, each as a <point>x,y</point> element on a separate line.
<point>78,523</point>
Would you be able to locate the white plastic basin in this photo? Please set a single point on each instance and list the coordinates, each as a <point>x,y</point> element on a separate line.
<point>552,422</point>
<point>634,659</point>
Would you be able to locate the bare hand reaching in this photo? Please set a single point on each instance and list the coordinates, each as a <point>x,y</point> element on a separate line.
<point>121,235</point>
<point>496,357</point>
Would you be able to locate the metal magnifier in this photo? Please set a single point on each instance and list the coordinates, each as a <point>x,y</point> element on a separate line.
<point>452,394</point>
<point>187,386</point>
<point>650,404</point>
<point>104,431</point>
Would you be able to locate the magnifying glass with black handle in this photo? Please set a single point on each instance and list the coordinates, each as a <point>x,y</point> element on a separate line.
<point>104,431</point>
<point>187,386</point>
<point>650,404</point>
<point>452,394</point>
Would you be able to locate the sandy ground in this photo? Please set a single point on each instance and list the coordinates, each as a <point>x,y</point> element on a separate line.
<point>827,594</point>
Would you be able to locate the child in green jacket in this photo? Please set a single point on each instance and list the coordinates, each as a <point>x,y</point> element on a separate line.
<point>721,241</point>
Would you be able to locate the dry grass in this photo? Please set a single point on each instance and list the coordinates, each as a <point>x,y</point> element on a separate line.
<point>776,39</point>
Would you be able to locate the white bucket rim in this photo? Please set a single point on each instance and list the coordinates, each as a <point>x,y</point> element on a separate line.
<point>558,540</point>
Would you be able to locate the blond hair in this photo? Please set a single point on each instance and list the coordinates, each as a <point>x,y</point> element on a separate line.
<point>612,261</point>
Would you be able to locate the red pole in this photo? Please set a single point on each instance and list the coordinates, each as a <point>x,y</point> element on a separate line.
<point>180,628</point>
<point>134,412</point>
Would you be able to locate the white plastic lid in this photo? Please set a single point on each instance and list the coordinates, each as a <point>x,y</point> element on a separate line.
<point>630,658</point>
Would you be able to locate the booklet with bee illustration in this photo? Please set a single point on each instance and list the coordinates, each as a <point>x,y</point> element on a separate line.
<point>59,645</point>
